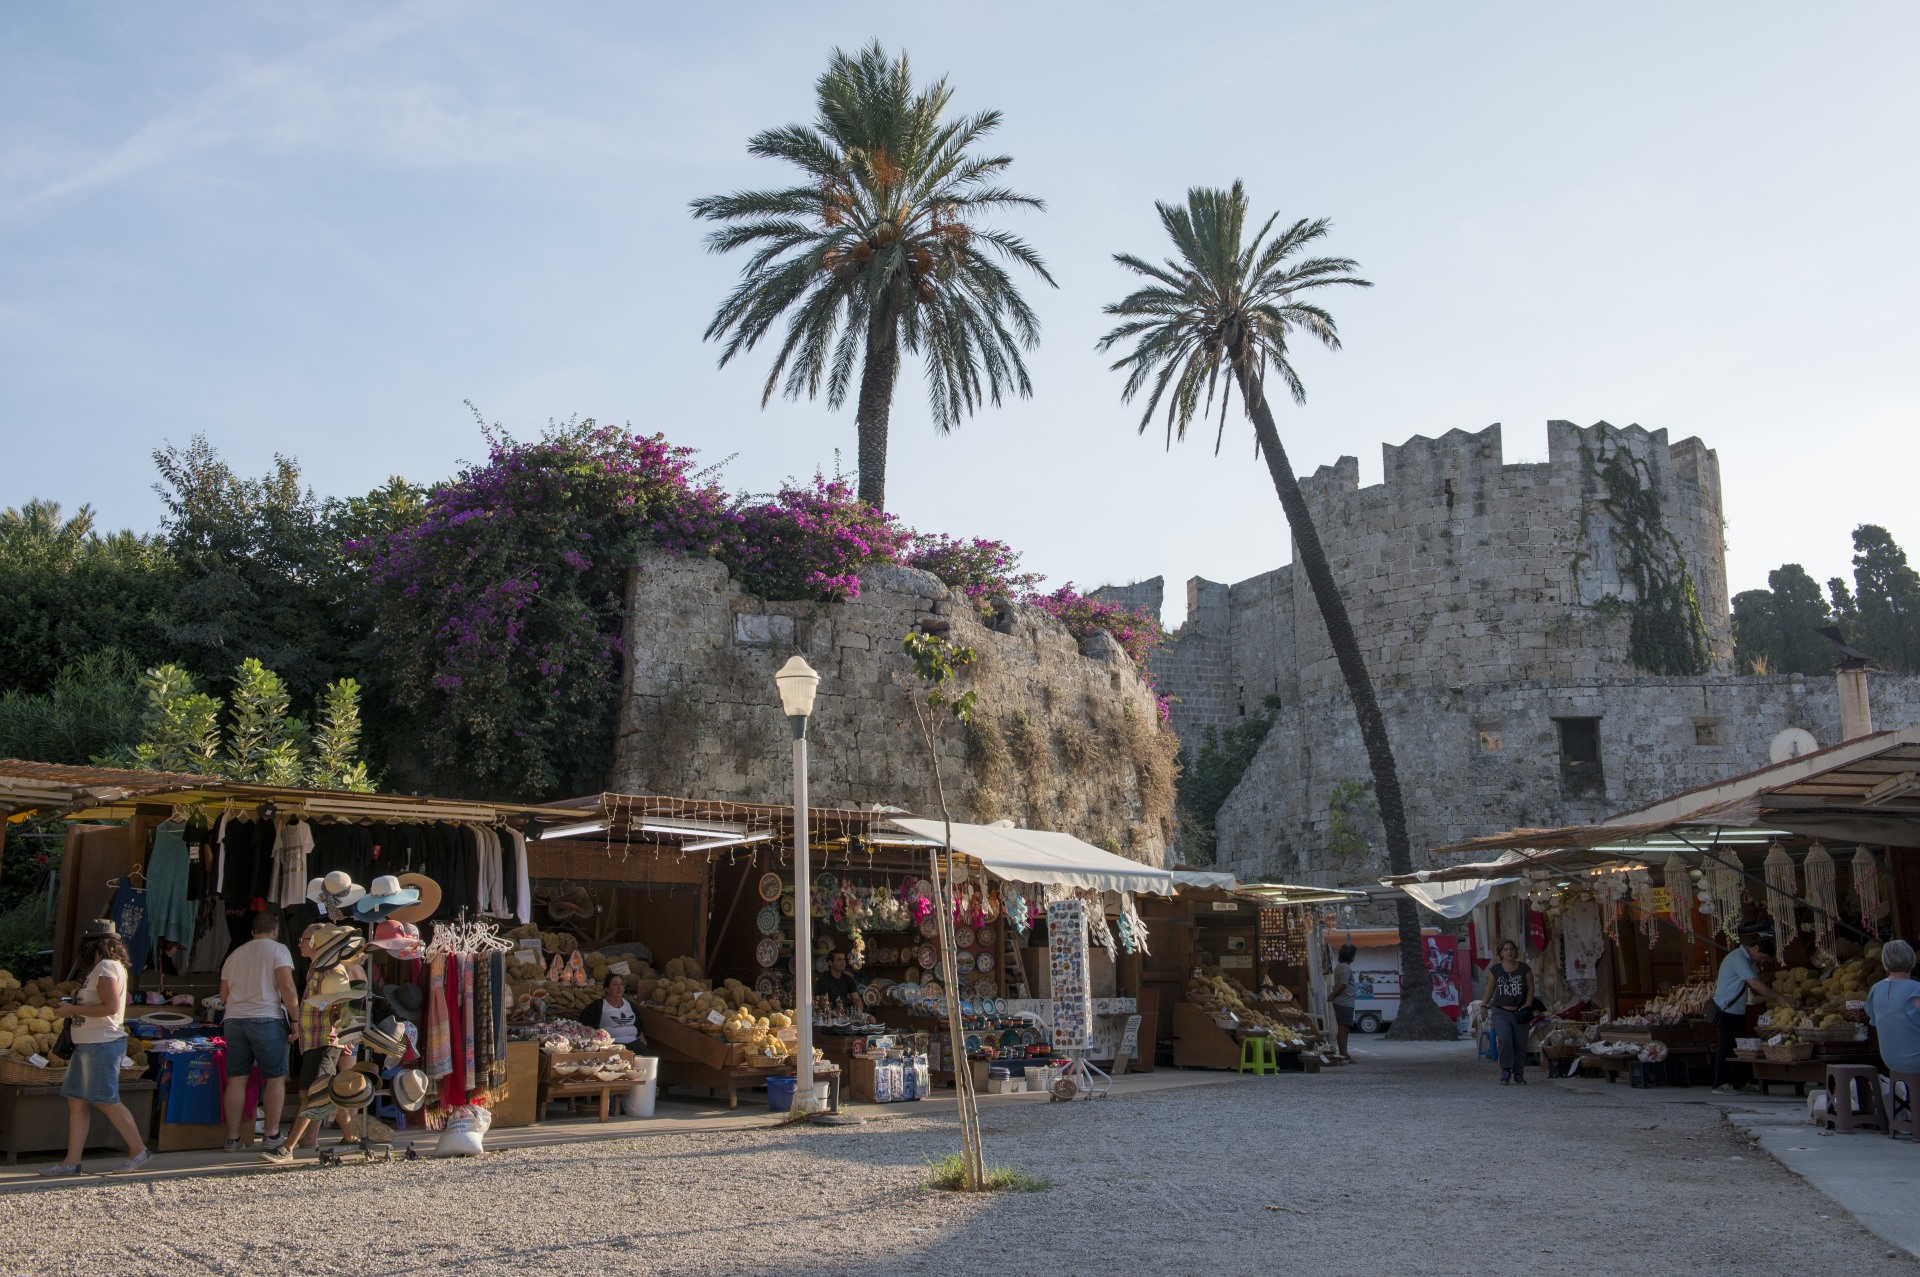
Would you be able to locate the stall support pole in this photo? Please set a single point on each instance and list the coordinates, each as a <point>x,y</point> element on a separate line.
<point>802,922</point>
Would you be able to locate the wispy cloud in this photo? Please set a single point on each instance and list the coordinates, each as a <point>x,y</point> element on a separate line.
<point>327,94</point>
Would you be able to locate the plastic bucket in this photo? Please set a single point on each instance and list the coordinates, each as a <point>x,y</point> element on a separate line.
<point>821,1090</point>
<point>780,1094</point>
<point>640,1098</point>
<point>646,1068</point>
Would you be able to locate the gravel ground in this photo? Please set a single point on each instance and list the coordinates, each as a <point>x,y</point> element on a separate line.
<point>1404,1164</point>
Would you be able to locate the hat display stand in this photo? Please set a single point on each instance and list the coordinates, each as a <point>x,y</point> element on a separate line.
<point>369,1149</point>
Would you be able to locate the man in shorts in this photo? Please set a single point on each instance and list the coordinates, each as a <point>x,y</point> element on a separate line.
<point>321,1058</point>
<point>256,988</point>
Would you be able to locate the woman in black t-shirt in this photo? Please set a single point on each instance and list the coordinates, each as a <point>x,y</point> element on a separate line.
<point>1509,999</point>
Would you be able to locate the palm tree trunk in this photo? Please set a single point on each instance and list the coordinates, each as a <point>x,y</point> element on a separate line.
<point>877,376</point>
<point>1419,1017</point>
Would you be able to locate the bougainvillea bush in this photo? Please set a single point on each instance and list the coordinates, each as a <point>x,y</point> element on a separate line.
<point>809,541</point>
<point>1138,633</point>
<point>982,570</point>
<point>497,617</point>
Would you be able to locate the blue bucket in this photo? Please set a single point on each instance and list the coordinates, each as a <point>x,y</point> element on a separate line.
<point>780,1094</point>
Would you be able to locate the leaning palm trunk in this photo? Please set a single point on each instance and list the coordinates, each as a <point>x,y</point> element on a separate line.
<point>877,377</point>
<point>1419,1017</point>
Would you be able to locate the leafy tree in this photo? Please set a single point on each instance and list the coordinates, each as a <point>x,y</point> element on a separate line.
<point>1776,630</point>
<point>263,742</point>
<point>1881,614</point>
<point>1216,768</point>
<point>1215,319</point>
<point>878,250</point>
<point>181,731</point>
<point>336,743</point>
<point>95,707</point>
<point>66,590</point>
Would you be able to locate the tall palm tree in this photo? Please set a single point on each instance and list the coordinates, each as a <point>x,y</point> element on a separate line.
<point>1213,319</point>
<point>879,250</point>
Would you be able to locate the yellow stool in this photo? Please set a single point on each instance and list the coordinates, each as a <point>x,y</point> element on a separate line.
<point>1256,1055</point>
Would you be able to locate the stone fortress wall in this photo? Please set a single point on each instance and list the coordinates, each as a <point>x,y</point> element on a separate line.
<point>1062,739</point>
<point>1491,601</point>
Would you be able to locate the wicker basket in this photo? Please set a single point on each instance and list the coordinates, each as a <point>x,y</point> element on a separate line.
<point>20,1073</point>
<point>1792,1053</point>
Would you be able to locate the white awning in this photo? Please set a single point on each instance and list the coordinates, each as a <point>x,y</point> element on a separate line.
<point>1040,855</point>
<point>1205,878</point>
<point>1455,897</point>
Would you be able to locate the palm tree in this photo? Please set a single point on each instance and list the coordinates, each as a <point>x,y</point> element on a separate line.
<point>879,250</point>
<point>1223,307</point>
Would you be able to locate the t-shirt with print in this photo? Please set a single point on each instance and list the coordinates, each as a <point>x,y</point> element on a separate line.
<point>250,973</point>
<point>1510,987</point>
<point>620,1023</point>
<point>101,1028</point>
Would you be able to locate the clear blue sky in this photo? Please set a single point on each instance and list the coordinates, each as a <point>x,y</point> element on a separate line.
<point>318,229</point>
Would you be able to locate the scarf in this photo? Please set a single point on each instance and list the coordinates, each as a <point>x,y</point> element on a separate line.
<point>438,1061</point>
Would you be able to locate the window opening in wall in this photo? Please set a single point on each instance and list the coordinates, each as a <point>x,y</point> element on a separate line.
<point>1490,739</point>
<point>1580,774</point>
<point>1706,732</point>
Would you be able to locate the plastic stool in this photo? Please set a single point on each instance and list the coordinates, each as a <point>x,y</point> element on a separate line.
<point>1851,1084</point>
<point>1901,1088</point>
<point>1489,1046</point>
<point>1256,1055</point>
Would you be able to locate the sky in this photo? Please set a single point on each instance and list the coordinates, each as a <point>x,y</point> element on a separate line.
<point>325,230</point>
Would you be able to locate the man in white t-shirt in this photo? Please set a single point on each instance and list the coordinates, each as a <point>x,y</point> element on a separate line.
<point>256,987</point>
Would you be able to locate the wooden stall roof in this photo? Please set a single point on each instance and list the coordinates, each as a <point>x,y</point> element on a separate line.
<point>110,793</point>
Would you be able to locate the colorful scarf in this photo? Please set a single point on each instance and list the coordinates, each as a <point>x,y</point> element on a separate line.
<point>467,1070</point>
<point>438,1061</point>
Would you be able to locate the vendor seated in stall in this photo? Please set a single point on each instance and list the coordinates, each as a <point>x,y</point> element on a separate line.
<point>618,1016</point>
<point>839,986</point>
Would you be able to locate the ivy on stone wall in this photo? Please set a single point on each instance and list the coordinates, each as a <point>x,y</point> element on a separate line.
<point>1668,633</point>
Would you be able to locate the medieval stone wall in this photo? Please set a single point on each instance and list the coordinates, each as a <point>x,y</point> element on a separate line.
<point>1062,739</point>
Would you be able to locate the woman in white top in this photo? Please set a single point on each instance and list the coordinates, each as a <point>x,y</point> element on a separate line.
<point>99,1044</point>
<point>616,1015</point>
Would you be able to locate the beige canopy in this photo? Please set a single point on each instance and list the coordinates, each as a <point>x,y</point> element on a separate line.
<point>1041,855</point>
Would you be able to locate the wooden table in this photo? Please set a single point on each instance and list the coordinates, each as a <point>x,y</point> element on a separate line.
<point>1614,1066</point>
<point>33,1119</point>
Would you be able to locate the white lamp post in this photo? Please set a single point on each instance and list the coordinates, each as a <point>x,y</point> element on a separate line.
<point>798,682</point>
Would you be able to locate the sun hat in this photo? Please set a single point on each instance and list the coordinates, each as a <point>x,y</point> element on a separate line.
<point>351,1089</point>
<point>424,906</point>
<point>409,1001</point>
<point>336,987</point>
<point>336,890</point>
<point>385,896</point>
<point>333,945</point>
<point>100,927</point>
<point>401,939</point>
<point>410,1089</point>
<point>386,1037</point>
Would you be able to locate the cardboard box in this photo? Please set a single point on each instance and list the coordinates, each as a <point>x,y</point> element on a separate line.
<point>1007,1086</point>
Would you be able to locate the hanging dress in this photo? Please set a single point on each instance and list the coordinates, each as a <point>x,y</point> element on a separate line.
<point>170,914</point>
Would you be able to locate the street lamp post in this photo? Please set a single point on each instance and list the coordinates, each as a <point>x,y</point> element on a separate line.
<point>798,682</point>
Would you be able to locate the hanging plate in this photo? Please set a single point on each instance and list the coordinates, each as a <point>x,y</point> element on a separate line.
<point>929,928</point>
<point>769,919</point>
<point>933,989</point>
<point>825,884</point>
<point>766,986</point>
<point>963,937</point>
<point>927,956</point>
<point>769,887</point>
<point>963,962</point>
<point>911,977</point>
<point>983,962</point>
<point>820,964</point>
<point>768,953</point>
<point>786,905</point>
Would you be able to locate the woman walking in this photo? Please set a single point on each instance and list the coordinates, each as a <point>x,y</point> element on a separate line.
<point>98,1012</point>
<point>1509,998</point>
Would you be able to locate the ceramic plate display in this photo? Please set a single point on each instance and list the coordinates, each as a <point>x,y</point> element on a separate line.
<point>983,986</point>
<point>786,905</point>
<point>929,928</point>
<point>963,937</point>
<point>933,989</point>
<point>825,884</point>
<point>769,920</point>
<point>927,955</point>
<point>967,1007</point>
<point>766,986</point>
<point>911,975</point>
<point>769,952</point>
<point>983,962</point>
<point>963,962</point>
<point>973,1042</point>
<point>769,887</point>
<point>820,963</point>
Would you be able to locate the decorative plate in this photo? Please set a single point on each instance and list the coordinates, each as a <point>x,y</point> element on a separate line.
<point>963,937</point>
<point>766,986</point>
<point>769,919</point>
<point>929,928</point>
<point>769,952</point>
<point>928,955</point>
<point>973,1043</point>
<point>923,888</point>
<point>984,987</point>
<point>911,976</point>
<point>933,989</point>
<point>786,906</point>
<point>983,962</point>
<point>820,964</point>
<point>769,887</point>
<point>963,962</point>
<point>825,884</point>
<point>966,1006</point>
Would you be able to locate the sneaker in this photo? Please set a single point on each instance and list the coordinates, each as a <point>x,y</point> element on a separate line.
<point>1726,1088</point>
<point>63,1169</point>
<point>133,1163</point>
<point>233,1146</point>
<point>1506,1076</point>
<point>279,1154</point>
<point>1519,1079</point>
<point>277,1142</point>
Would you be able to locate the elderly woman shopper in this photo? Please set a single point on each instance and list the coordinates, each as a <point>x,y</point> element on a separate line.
<point>1893,1007</point>
<point>99,1013</point>
<point>1509,999</point>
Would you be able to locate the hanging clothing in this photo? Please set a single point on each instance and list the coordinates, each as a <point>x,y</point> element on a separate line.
<point>220,854</point>
<point>437,1059</point>
<point>522,889</point>
<point>497,1079</point>
<point>467,1060</point>
<point>169,912</point>
<point>485,1058</point>
<point>453,1087</point>
<point>493,875</point>
<point>210,950</point>
<point>292,843</point>
<point>129,914</point>
<point>1581,932</point>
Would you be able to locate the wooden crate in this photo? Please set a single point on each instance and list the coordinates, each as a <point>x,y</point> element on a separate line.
<point>675,1041</point>
<point>1199,1043</point>
<point>33,1119</point>
<point>524,1069</point>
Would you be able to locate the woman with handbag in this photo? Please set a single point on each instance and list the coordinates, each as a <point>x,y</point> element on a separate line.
<point>1509,1000</point>
<point>98,1025</point>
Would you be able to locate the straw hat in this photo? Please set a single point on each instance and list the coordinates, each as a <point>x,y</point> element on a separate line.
<point>100,927</point>
<point>350,1090</point>
<point>333,945</point>
<point>401,939</point>
<point>336,987</point>
<point>410,1089</point>
<point>386,1037</point>
<point>425,903</point>
<point>409,1001</point>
